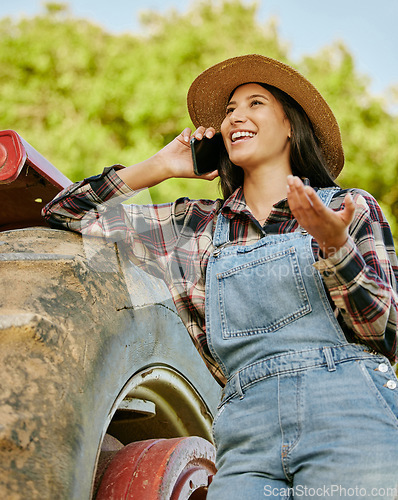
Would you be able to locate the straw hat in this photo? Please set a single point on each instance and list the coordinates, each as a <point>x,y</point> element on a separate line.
<point>209,93</point>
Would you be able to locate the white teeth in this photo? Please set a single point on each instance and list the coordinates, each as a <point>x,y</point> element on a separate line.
<point>237,135</point>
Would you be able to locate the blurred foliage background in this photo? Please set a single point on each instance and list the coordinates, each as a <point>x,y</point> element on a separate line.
<point>86,98</point>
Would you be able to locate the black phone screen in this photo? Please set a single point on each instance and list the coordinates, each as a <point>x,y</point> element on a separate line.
<point>206,154</point>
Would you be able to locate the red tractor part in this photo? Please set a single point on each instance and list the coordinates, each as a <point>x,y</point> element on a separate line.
<point>28,181</point>
<point>160,469</point>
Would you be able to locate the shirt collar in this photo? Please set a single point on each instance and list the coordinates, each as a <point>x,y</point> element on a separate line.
<point>236,204</point>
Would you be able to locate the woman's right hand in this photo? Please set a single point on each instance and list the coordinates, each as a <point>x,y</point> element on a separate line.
<point>174,160</point>
<point>177,156</point>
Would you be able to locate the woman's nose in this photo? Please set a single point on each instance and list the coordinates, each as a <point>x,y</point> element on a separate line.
<point>237,116</point>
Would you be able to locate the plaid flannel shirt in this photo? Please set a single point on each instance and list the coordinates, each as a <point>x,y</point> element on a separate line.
<point>173,241</point>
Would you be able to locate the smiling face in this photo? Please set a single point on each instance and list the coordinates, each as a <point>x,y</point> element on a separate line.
<point>255,129</point>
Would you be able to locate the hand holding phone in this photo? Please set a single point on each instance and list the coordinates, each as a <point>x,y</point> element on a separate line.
<point>206,154</point>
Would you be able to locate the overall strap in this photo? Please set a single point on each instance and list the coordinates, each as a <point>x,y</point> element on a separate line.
<point>326,194</point>
<point>221,233</point>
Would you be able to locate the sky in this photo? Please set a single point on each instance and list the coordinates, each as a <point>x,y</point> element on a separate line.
<point>367,27</point>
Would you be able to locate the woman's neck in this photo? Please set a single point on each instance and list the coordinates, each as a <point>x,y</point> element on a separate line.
<point>263,189</point>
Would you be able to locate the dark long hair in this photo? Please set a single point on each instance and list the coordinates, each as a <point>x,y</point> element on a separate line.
<point>306,157</point>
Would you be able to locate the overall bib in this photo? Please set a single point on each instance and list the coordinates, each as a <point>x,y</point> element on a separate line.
<point>304,413</point>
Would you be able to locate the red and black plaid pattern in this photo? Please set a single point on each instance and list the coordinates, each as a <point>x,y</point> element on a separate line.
<point>173,241</point>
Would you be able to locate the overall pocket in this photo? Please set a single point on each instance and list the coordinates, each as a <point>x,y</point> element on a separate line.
<point>262,295</point>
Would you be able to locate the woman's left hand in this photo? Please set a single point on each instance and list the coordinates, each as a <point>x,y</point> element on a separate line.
<point>329,228</point>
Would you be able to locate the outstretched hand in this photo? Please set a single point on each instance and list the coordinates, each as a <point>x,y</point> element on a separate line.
<point>329,228</point>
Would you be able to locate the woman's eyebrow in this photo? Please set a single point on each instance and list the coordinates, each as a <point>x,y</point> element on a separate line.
<point>250,97</point>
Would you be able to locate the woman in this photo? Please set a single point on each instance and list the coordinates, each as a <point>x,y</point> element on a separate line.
<point>288,290</point>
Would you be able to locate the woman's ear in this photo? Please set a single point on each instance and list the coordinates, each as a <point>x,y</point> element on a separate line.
<point>289,127</point>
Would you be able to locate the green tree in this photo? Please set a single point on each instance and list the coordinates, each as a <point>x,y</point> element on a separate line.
<point>86,98</point>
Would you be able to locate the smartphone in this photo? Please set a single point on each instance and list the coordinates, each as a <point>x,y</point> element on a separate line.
<point>206,153</point>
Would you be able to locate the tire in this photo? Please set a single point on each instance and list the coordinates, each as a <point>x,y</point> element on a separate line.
<point>80,330</point>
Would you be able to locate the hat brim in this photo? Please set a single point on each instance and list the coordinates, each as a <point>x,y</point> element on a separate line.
<point>209,93</point>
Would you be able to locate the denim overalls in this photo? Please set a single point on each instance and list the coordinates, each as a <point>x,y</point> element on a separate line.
<point>304,413</point>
